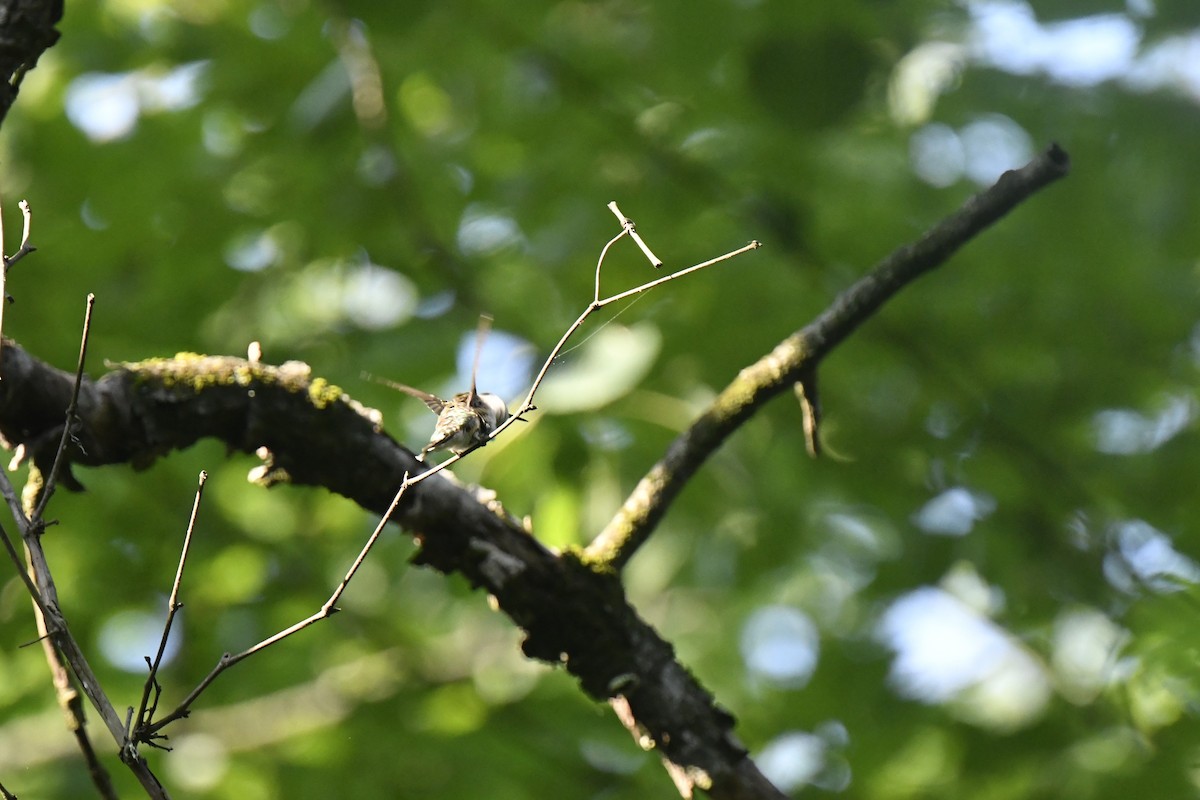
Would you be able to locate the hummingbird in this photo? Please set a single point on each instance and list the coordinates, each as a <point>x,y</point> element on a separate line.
<point>466,420</point>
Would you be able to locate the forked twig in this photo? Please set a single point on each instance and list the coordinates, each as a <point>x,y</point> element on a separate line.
<point>26,249</point>
<point>627,229</point>
<point>797,357</point>
<point>148,730</point>
<point>145,708</point>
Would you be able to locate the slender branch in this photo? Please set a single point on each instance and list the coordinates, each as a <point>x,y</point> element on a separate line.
<point>597,303</point>
<point>22,570</point>
<point>71,701</point>
<point>173,606</point>
<point>146,730</point>
<point>59,646</point>
<point>796,357</point>
<point>59,459</point>
<point>752,245</point>
<point>18,513</point>
<point>631,229</point>
<point>3,275</point>
<point>26,249</point>
<point>600,262</point>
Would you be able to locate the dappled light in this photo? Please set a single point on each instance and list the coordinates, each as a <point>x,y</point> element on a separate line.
<point>947,651</point>
<point>107,106</point>
<point>780,646</point>
<point>954,512</point>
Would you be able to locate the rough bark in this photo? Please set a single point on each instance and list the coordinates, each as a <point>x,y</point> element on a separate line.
<point>572,613</point>
<point>26,31</point>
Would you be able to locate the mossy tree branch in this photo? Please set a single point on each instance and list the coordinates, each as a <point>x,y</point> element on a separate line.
<point>795,360</point>
<point>311,433</point>
<point>571,607</point>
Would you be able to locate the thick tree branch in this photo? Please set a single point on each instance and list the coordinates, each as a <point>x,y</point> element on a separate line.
<point>572,609</point>
<point>26,31</point>
<point>311,433</point>
<point>796,358</point>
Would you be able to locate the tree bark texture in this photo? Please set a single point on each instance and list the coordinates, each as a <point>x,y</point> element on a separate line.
<point>308,432</point>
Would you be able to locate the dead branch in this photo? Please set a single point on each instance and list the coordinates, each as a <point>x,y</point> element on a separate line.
<point>795,359</point>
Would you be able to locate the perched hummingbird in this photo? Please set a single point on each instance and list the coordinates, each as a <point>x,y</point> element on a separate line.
<point>466,420</point>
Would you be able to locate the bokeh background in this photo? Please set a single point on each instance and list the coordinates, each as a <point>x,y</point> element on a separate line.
<point>986,589</point>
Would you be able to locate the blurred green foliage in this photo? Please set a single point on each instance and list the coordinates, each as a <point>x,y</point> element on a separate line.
<point>1010,442</point>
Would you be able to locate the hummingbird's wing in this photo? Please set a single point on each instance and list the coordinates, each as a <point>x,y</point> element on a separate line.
<point>435,403</point>
<point>485,325</point>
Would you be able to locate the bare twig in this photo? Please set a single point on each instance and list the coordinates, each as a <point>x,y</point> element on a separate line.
<point>68,426</point>
<point>23,571</point>
<point>26,249</point>
<point>752,245</point>
<point>810,408</point>
<point>15,557</point>
<point>59,646</point>
<point>3,274</point>
<point>796,357</point>
<point>629,227</point>
<point>147,731</point>
<point>600,264</point>
<point>173,606</point>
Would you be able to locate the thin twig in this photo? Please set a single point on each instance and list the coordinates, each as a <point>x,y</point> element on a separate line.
<point>597,303</point>
<point>809,397</point>
<point>26,225</point>
<point>23,571</point>
<point>753,245</point>
<point>146,731</point>
<point>631,229</point>
<point>68,696</point>
<point>60,455</point>
<point>600,262</point>
<point>9,492</point>
<point>3,275</point>
<point>173,606</point>
<point>18,512</point>
<point>796,357</point>
<point>25,250</point>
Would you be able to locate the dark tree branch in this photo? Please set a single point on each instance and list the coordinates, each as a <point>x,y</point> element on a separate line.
<point>572,608</point>
<point>311,433</point>
<point>26,31</point>
<point>795,359</point>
